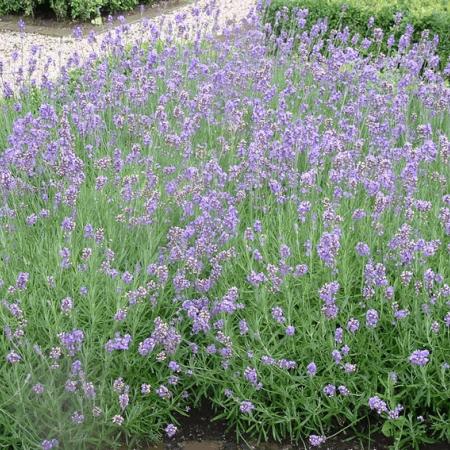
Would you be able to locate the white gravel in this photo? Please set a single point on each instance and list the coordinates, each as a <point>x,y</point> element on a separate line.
<point>47,54</point>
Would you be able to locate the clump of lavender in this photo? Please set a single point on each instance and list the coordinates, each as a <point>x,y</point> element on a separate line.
<point>267,211</point>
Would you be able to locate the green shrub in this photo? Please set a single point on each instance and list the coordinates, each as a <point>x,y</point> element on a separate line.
<point>433,15</point>
<point>117,5</point>
<point>60,7</point>
<point>69,9</point>
<point>19,6</point>
<point>85,9</point>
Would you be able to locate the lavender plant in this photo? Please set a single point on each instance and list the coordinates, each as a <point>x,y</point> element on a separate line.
<point>216,220</point>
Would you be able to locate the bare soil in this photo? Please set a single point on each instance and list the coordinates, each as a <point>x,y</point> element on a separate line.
<point>199,432</point>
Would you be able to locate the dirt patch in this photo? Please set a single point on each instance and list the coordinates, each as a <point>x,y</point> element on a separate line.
<point>199,432</point>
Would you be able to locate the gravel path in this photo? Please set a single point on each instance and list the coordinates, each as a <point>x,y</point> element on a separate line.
<point>27,56</point>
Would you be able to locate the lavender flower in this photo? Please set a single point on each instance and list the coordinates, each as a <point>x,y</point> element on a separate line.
<point>300,270</point>
<point>353,325</point>
<point>371,318</point>
<point>118,343</point>
<point>311,368</point>
<point>278,315</point>
<point>22,280</point>
<point>395,413</point>
<point>336,355</point>
<point>329,390</point>
<point>243,327</point>
<point>66,305</point>
<point>38,388</point>
<point>375,403</point>
<point>362,249</point>
<point>68,225</point>
<point>72,341</point>
<point>89,390</point>
<point>343,390</point>
<point>246,407</point>
<point>251,375</point>
<point>316,441</point>
<point>77,418</point>
<point>121,315</point>
<point>328,247</point>
<point>124,399</point>
<point>48,444</point>
<point>290,330</point>
<point>419,357</point>
<point>174,366</point>
<point>228,393</point>
<point>118,420</point>
<point>119,385</point>
<point>163,392</point>
<point>171,430</point>
<point>76,367</point>
<point>13,357</point>
<point>70,386</point>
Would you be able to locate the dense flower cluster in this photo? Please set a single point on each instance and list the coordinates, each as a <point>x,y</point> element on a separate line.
<point>260,218</point>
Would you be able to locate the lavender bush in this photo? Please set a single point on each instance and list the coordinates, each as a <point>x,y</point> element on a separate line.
<point>268,230</point>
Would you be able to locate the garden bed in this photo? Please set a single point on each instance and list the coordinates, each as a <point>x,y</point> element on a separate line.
<point>258,222</point>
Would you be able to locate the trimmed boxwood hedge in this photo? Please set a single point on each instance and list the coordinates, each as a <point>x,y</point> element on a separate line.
<point>433,15</point>
<point>68,9</point>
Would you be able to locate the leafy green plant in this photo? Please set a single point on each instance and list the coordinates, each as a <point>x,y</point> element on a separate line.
<point>117,5</point>
<point>19,6</point>
<point>85,9</point>
<point>60,7</point>
<point>69,9</point>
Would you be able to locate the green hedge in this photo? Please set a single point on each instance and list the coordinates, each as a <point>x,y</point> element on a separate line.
<point>68,9</point>
<point>433,15</point>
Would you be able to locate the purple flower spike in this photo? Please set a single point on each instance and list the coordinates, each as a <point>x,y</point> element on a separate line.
<point>246,407</point>
<point>419,357</point>
<point>316,441</point>
<point>171,430</point>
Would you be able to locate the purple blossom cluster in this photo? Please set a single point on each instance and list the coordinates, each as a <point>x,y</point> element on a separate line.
<point>72,341</point>
<point>380,406</point>
<point>419,357</point>
<point>164,335</point>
